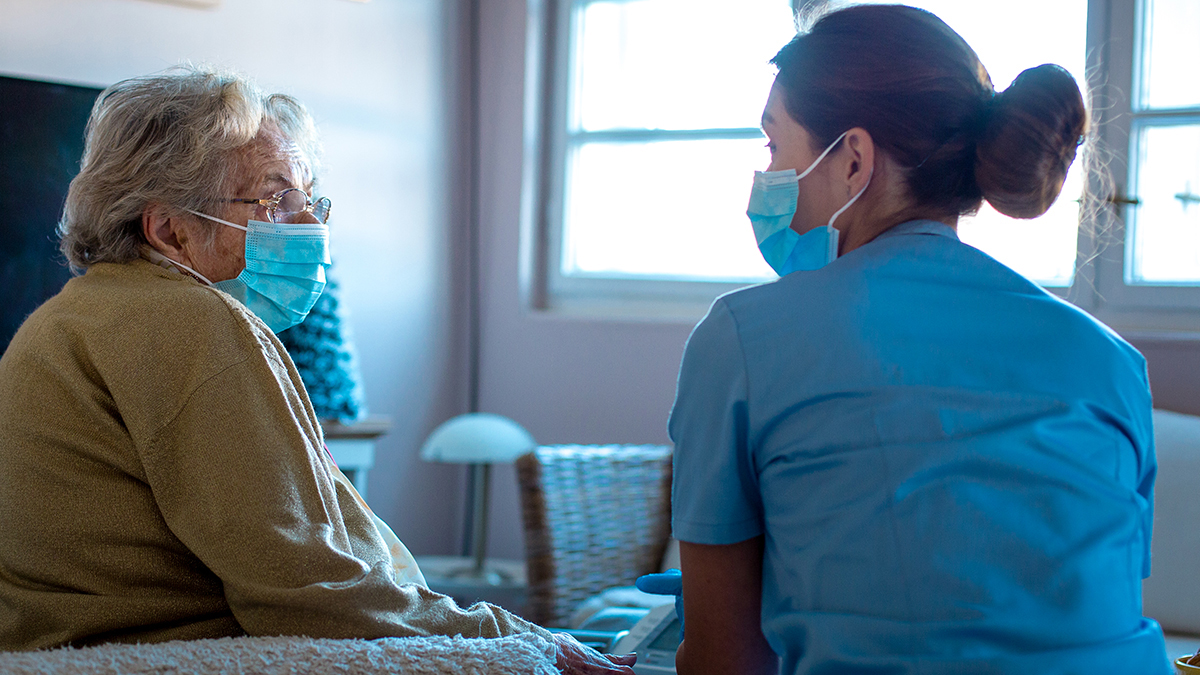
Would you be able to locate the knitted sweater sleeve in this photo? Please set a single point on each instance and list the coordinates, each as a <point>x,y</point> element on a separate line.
<point>241,477</point>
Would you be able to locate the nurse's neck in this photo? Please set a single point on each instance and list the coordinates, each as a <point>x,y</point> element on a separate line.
<point>886,204</point>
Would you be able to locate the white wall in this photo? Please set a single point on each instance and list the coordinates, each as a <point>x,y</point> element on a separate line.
<point>374,77</point>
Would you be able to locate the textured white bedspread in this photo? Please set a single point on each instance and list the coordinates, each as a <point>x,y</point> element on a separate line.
<point>523,654</point>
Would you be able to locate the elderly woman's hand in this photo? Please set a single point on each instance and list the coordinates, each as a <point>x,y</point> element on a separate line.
<point>574,657</point>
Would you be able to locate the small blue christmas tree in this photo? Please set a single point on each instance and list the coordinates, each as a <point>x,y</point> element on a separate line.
<point>322,350</point>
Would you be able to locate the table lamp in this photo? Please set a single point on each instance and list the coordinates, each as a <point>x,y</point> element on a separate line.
<point>478,439</point>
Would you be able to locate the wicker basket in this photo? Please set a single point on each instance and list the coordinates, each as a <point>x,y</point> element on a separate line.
<point>596,516</point>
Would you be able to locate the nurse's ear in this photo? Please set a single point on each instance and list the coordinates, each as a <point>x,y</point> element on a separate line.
<point>870,178</point>
<point>856,163</point>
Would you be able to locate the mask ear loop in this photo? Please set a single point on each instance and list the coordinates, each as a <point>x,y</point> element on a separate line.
<point>826,152</point>
<point>199,276</point>
<point>834,238</point>
<point>842,210</point>
<point>156,256</point>
<point>852,199</point>
<point>213,218</point>
<point>216,219</point>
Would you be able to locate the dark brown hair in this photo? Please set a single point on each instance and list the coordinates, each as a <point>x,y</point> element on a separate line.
<point>921,92</point>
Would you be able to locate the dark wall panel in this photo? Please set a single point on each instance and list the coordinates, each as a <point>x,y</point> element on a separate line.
<point>41,142</point>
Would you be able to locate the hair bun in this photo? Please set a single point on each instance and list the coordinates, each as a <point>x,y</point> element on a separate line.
<point>1028,141</point>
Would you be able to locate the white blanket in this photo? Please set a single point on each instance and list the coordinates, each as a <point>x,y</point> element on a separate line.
<point>520,654</point>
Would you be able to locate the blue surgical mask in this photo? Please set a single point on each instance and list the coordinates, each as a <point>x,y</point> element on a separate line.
<point>285,270</point>
<point>773,205</point>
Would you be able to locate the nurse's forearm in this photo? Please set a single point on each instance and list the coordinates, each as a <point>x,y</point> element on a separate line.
<point>722,593</point>
<point>724,658</point>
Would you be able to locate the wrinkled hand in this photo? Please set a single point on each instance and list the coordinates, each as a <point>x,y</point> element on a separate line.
<point>574,657</point>
<point>666,583</point>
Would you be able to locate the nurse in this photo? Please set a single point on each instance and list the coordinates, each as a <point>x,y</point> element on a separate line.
<point>902,456</point>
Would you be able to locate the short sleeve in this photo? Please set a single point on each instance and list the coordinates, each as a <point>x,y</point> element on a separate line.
<point>1148,466</point>
<point>715,498</point>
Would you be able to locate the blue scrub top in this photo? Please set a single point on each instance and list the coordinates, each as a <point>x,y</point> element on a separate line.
<point>952,469</point>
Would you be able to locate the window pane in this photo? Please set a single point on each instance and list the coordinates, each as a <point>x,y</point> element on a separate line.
<point>1171,52</point>
<point>665,209</point>
<point>1164,246</point>
<point>675,64</point>
<point>1007,43</point>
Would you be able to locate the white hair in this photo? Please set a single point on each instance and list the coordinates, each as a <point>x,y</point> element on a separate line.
<point>171,138</point>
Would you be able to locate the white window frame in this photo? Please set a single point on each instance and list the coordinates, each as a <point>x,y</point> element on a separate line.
<point>1114,46</point>
<point>601,295</point>
<point>1100,287</point>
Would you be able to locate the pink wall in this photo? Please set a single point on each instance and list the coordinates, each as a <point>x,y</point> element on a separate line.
<point>1174,365</point>
<point>567,380</point>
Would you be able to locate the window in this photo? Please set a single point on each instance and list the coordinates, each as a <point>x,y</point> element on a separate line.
<point>1151,273</point>
<point>1165,246</point>
<point>652,138</point>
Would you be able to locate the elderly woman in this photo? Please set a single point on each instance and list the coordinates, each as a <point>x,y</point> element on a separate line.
<point>162,472</point>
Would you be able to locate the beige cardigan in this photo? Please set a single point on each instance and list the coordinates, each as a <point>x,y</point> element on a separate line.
<point>163,476</point>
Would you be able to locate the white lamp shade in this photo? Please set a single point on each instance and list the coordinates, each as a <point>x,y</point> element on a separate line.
<point>477,438</point>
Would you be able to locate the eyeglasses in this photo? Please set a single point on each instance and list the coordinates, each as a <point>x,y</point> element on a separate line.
<point>287,205</point>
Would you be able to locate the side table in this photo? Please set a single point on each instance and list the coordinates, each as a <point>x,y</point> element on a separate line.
<point>508,593</point>
<point>353,447</point>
